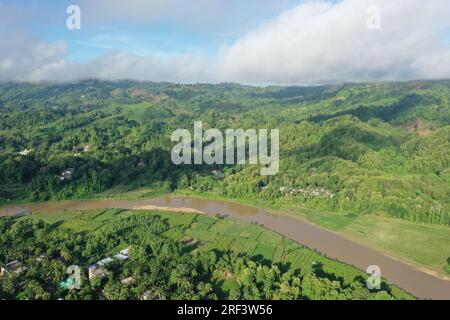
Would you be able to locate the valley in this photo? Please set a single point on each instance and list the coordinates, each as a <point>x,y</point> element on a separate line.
<point>363,178</point>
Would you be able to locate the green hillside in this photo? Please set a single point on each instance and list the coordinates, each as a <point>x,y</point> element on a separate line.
<point>357,149</point>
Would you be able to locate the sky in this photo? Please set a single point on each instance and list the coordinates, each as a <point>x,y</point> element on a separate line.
<point>284,42</point>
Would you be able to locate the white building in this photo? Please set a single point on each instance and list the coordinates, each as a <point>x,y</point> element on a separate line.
<point>67,174</point>
<point>25,152</point>
<point>105,261</point>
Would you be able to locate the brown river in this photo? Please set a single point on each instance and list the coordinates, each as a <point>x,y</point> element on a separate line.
<point>406,276</point>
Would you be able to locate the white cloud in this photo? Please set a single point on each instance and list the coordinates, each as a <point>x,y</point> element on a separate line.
<point>117,65</point>
<point>316,42</point>
<point>33,60</point>
<point>324,42</point>
<point>25,58</point>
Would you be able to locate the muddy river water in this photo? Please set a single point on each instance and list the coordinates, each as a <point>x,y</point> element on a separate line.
<point>412,279</point>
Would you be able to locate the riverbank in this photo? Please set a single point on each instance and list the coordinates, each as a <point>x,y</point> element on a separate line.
<point>211,232</point>
<point>300,230</point>
<point>166,209</point>
<point>423,246</point>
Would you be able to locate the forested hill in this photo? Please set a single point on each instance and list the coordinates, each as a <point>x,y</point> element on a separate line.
<point>379,148</point>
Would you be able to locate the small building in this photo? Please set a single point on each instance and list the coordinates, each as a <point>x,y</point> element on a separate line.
<point>128,281</point>
<point>87,148</point>
<point>105,261</point>
<point>125,252</point>
<point>14,267</point>
<point>67,174</point>
<point>120,256</point>
<point>151,294</point>
<point>40,258</point>
<point>96,271</point>
<point>25,152</point>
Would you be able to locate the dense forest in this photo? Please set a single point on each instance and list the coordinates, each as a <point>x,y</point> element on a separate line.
<point>163,263</point>
<point>381,148</point>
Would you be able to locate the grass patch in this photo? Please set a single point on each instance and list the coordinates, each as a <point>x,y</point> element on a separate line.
<point>264,251</point>
<point>422,244</point>
<point>270,238</point>
<point>244,246</point>
<point>334,222</point>
<point>278,254</point>
<point>108,214</point>
<point>52,218</point>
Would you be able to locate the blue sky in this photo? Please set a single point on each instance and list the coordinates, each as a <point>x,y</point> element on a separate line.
<point>161,35</point>
<point>251,41</point>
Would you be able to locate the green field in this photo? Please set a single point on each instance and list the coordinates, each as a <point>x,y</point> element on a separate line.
<point>425,245</point>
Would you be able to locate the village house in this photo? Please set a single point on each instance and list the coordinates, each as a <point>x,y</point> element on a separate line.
<point>309,192</point>
<point>120,256</point>
<point>96,271</point>
<point>105,261</point>
<point>151,295</point>
<point>123,255</point>
<point>67,174</point>
<point>87,148</point>
<point>125,252</point>
<point>14,267</point>
<point>128,281</point>
<point>25,152</point>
